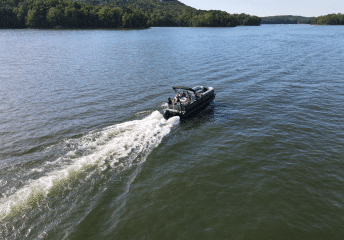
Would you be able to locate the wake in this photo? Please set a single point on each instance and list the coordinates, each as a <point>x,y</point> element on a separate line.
<point>117,146</point>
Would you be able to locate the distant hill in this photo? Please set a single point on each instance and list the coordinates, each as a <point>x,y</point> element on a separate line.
<point>286,19</point>
<point>113,14</point>
<point>330,19</point>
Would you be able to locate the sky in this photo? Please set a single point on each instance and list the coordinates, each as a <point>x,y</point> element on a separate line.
<point>263,8</point>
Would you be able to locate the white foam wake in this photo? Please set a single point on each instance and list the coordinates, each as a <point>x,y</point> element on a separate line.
<point>105,148</point>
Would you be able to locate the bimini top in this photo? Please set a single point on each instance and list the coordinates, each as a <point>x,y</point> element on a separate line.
<point>182,87</point>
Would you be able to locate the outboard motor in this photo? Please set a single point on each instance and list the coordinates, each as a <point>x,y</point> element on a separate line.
<point>166,114</point>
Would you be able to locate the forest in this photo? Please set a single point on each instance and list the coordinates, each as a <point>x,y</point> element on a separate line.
<point>92,14</point>
<point>286,19</point>
<point>330,19</point>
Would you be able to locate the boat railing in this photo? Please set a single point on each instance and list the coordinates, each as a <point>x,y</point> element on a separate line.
<point>177,107</point>
<point>190,99</point>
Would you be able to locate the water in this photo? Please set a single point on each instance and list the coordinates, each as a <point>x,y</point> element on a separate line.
<point>86,154</point>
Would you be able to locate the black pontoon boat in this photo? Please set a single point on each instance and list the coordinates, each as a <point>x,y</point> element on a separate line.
<point>189,101</point>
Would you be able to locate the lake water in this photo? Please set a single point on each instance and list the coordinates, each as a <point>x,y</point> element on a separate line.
<point>86,154</point>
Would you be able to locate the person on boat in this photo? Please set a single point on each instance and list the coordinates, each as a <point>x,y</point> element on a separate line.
<point>186,101</point>
<point>187,98</point>
<point>193,97</point>
<point>169,102</point>
<point>178,103</point>
<point>184,94</point>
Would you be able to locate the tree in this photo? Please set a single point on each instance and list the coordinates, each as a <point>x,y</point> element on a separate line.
<point>110,17</point>
<point>55,17</point>
<point>36,16</point>
<point>21,14</point>
<point>73,15</point>
<point>135,19</point>
<point>89,16</point>
<point>7,18</point>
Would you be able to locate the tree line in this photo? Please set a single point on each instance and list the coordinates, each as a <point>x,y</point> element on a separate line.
<point>113,14</point>
<point>330,19</point>
<point>175,13</point>
<point>69,14</point>
<point>286,19</point>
